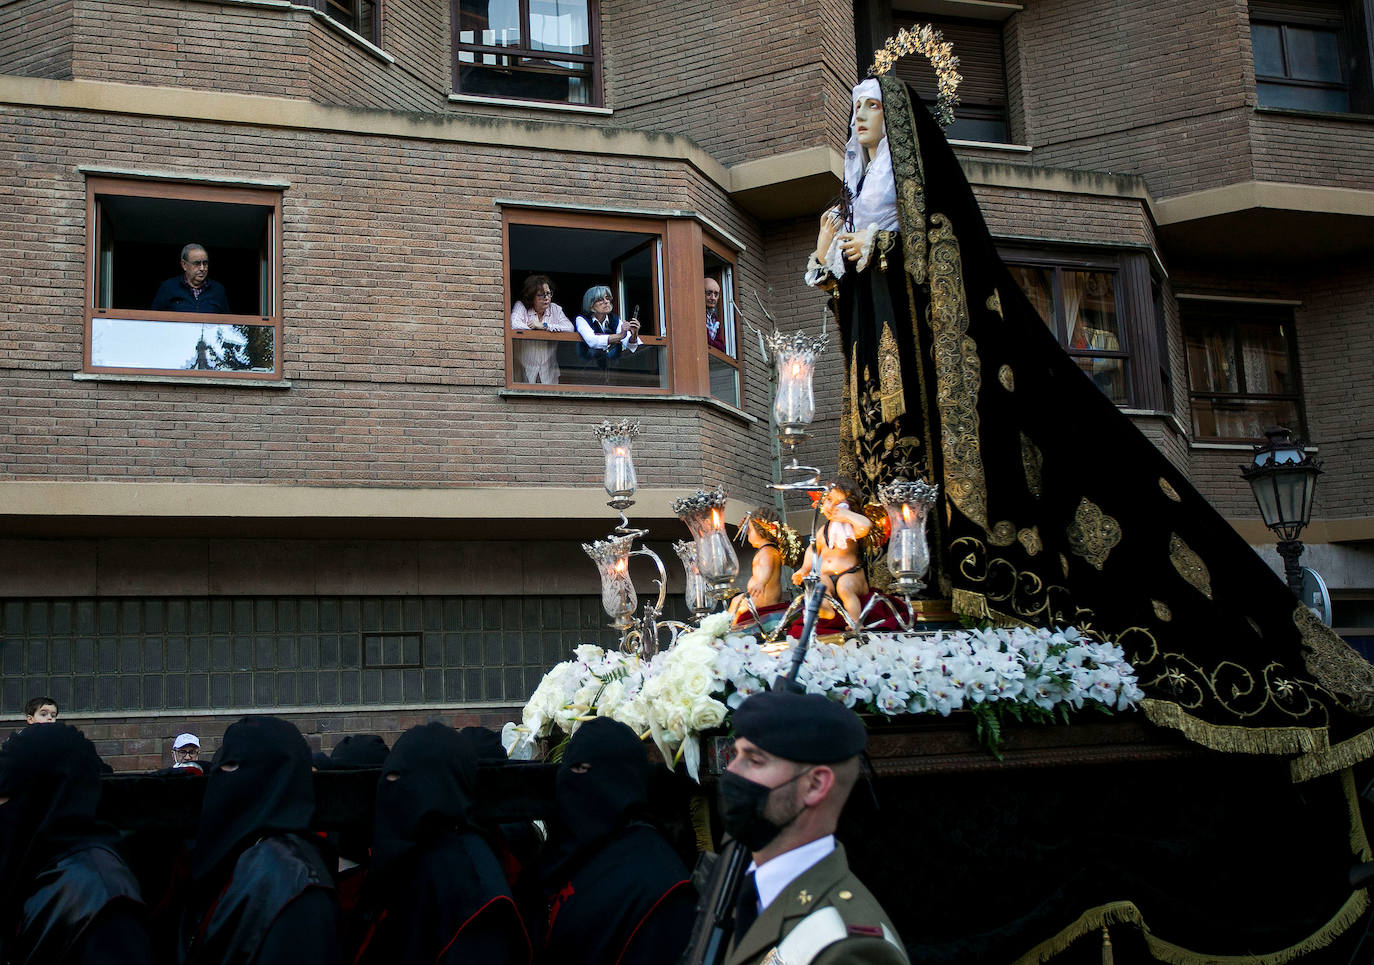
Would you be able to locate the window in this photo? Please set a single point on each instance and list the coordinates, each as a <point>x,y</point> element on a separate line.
<point>541,50</point>
<point>137,233</point>
<point>578,253</point>
<point>360,16</point>
<point>1082,305</point>
<point>722,344</point>
<point>1302,51</point>
<point>1242,369</point>
<point>982,111</point>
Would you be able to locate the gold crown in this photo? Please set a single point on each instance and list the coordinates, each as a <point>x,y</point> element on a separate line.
<point>925,39</point>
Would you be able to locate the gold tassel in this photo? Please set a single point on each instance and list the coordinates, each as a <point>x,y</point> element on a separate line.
<point>700,809</point>
<point>1107,958</point>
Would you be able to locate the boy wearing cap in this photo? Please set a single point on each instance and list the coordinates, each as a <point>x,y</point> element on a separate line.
<point>796,760</point>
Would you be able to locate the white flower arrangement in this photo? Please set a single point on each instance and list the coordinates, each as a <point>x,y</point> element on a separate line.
<point>1035,674</point>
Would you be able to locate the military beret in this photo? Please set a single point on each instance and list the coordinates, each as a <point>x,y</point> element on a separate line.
<point>806,728</point>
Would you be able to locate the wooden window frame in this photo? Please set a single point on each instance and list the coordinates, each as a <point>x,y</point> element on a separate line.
<point>1219,311</point>
<point>970,107</point>
<point>731,259</point>
<point>530,53</point>
<point>542,218</point>
<point>1352,21</point>
<point>349,13</point>
<point>1137,317</point>
<point>101,185</point>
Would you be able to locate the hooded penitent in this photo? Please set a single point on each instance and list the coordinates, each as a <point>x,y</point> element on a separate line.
<point>435,887</point>
<point>58,869</point>
<point>603,782</point>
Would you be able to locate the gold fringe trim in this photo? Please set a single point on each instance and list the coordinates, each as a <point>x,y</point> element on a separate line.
<point>1236,740</point>
<point>968,603</point>
<point>1359,841</point>
<point>1329,759</point>
<point>1126,913</point>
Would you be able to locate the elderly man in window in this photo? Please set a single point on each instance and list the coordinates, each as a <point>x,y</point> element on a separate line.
<point>193,290</point>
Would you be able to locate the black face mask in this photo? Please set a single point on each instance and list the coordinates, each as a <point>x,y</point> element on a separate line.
<point>741,810</point>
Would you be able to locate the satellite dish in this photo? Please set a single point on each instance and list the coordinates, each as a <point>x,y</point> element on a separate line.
<point>1315,596</point>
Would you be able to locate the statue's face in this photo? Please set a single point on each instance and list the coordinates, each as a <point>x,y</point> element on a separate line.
<point>868,122</point>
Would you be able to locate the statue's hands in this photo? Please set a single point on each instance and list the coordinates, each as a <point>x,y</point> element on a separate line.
<point>797,579</point>
<point>852,244</point>
<point>831,223</point>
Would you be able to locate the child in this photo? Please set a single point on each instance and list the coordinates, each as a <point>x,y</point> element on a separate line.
<point>40,710</point>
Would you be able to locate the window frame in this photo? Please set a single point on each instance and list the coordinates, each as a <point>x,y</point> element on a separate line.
<point>730,317</point>
<point>1137,321</point>
<point>172,190</point>
<point>542,218</point>
<point>1352,21</point>
<point>594,59</point>
<point>1216,309</point>
<point>971,106</point>
<point>353,11</point>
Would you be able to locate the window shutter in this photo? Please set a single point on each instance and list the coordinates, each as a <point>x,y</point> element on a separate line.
<point>979,49</point>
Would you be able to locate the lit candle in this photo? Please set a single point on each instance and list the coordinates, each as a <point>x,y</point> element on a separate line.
<point>795,403</point>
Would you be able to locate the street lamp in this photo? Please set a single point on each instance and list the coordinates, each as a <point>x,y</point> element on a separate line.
<point>1284,478</point>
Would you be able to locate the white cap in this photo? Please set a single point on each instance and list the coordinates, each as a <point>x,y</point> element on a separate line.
<point>184,739</point>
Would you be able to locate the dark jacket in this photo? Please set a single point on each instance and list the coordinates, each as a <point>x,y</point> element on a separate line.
<point>174,295</point>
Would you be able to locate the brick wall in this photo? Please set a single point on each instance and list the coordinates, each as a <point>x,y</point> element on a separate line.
<point>36,38</point>
<point>393,302</point>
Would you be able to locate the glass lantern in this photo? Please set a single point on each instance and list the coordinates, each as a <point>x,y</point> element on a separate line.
<point>612,559</point>
<point>695,592</point>
<point>908,553</point>
<point>794,407</point>
<point>617,440</point>
<point>704,514</point>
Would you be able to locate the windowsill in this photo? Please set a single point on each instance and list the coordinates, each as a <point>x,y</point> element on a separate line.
<point>1317,115</point>
<point>1171,420</point>
<point>562,396</point>
<point>993,146</point>
<point>182,380</point>
<point>533,105</point>
<point>357,39</point>
<point>1248,447</point>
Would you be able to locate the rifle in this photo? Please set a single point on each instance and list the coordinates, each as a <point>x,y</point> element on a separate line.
<point>715,921</point>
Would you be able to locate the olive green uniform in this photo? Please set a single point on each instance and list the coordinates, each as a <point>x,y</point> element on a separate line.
<point>857,936</point>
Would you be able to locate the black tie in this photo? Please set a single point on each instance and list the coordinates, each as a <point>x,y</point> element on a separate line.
<point>747,907</point>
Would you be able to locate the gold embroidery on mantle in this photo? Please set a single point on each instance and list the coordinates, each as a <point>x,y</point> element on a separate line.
<point>1335,664</point>
<point>1169,491</point>
<point>1032,462</point>
<point>909,175</point>
<point>1007,378</point>
<point>957,375</point>
<point>890,376</point>
<point>994,588</point>
<point>848,462</point>
<point>1092,534</point>
<point>1002,534</point>
<point>994,303</point>
<point>1190,566</point>
<point>1064,565</point>
<point>1162,611</point>
<point>1029,539</point>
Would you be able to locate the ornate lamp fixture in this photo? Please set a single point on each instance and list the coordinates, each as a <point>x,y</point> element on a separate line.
<point>704,514</point>
<point>908,554</point>
<point>698,600</point>
<point>1283,478</point>
<point>612,555</point>
<point>794,405</point>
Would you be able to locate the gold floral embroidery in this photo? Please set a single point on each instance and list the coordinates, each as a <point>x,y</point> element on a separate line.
<point>1008,595</point>
<point>1190,566</point>
<point>910,178</point>
<point>1007,378</point>
<point>1031,461</point>
<point>1002,534</point>
<point>1161,611</point>
<point>1335,664</point>
<point>1169,491</point>
<point>890,375</point>
<point>994,302</point>
<point>1030,540</point>
<point>1092,534</point>
<point>957,375</point>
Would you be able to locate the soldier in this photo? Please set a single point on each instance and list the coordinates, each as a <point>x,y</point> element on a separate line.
<point>796,760</point>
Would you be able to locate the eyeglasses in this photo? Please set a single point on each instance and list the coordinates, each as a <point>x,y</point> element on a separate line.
<point>603,298</point>
<point>204,263</point>
<point>544,294</point>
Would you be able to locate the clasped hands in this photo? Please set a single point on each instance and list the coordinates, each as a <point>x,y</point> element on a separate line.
<point>851,242</point>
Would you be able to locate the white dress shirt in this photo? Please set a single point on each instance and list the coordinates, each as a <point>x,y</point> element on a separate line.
<point>774,875</point>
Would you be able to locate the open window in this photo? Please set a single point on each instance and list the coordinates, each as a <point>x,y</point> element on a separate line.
<point>363,17</point>
<point>577,254</point>
<point>722,336</point>
<point>138,231</point>
<point>540,50</point>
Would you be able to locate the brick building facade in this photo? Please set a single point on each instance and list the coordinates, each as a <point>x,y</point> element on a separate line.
<point>353,509</point>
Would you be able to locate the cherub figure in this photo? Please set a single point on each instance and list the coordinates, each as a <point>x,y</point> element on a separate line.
<point>839,546</point>
<point>766,534</point>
